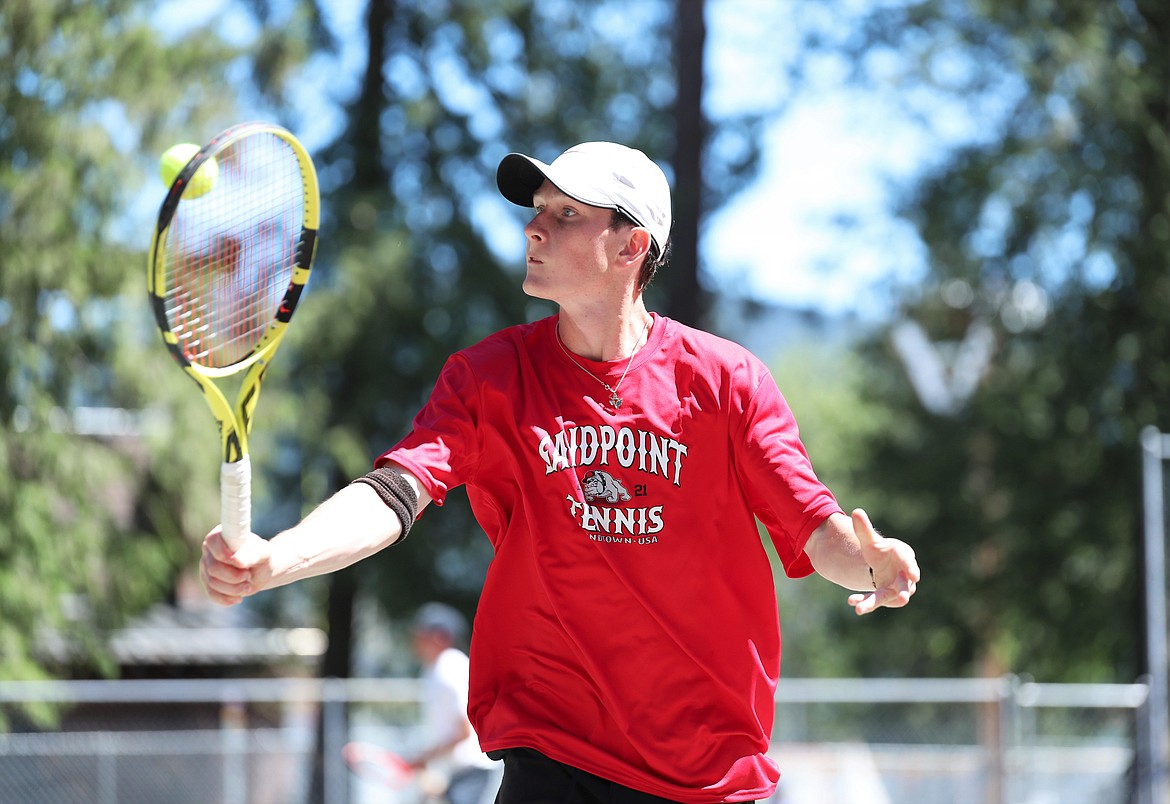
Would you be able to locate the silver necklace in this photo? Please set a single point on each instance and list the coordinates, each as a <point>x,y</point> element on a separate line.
<point>615,401</point>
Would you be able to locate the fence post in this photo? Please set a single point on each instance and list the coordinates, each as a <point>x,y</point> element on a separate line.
<point>1158,721</point>
<point>107,783</point>
<point>1007,740</point>
<point>233,724</point>
<point>334,696</point>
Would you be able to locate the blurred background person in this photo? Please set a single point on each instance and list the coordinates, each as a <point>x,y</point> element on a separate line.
<point>451,758</point>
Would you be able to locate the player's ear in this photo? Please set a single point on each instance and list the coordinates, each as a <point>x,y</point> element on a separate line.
<point>636,245</point>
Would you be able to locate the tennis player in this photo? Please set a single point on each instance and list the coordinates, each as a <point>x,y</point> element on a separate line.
<point>626,646</point>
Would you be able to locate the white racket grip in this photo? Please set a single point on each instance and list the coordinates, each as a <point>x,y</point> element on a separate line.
<point>235,500</point>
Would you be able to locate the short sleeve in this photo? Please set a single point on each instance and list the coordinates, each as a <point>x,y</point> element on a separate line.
<point>443,448</point>
<point>782,488</point>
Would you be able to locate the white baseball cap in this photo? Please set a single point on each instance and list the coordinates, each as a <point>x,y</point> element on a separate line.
<point>600,174</point>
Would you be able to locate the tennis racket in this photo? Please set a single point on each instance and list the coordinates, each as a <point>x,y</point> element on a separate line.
<point>377,764</point>
<point>227,267</point>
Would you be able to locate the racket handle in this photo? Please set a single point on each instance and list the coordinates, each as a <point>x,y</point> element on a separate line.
<point>235,500</point>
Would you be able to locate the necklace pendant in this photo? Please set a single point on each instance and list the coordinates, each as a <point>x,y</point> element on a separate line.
<point>615,401</point>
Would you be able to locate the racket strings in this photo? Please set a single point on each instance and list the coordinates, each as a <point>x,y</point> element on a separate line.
<point>230,254</point>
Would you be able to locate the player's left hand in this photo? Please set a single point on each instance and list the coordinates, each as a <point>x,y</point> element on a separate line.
<point>895,569</point>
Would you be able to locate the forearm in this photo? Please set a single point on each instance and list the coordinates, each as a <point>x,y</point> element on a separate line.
<point>445,747</point>
<point>835,553</point>
<point>351,525</point>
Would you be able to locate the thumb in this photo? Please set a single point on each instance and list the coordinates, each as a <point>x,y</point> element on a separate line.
<point>866,533</point>
<point>247,553</point>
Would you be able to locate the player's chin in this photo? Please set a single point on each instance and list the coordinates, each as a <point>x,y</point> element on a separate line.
<point>537,286</point>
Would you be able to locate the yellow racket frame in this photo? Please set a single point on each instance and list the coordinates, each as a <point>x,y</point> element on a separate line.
<point>235,422</point>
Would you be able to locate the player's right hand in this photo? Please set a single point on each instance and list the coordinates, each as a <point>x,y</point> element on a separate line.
<point>229,576</point>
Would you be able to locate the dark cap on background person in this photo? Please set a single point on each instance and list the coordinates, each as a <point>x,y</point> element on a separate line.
<point>441,618</point>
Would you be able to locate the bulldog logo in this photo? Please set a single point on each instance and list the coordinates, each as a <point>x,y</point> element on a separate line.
<point>599,485</point>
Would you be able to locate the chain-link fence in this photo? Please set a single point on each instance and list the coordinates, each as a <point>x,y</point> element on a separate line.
<point>959,741</point>
<point>983,741</point>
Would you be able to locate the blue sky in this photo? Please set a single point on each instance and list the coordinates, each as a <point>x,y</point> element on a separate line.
<point>816,229</point>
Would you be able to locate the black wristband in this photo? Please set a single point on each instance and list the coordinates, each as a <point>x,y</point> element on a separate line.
<point>393,489</point>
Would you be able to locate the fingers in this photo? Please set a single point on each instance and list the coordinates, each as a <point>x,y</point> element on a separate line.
<point>864,603</point>
<point>892,563</point>
<point>224,579</point>
<point>893,596</point>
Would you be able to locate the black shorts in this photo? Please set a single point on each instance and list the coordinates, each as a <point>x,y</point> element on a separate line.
<point>532,778</point>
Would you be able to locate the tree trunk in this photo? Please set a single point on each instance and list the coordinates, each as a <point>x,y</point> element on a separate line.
<point>684,302</point>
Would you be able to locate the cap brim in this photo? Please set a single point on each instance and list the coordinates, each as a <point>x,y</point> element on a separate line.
<point>519,177</point>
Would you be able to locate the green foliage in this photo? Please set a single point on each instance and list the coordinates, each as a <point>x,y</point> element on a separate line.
<point>825,385</point>
<point>1051,229</point>
<point>95,523</point>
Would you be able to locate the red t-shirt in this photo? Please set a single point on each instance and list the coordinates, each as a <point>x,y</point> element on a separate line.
<point>628,624</point>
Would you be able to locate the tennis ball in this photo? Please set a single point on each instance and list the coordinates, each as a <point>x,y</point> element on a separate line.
<point>175,158</point>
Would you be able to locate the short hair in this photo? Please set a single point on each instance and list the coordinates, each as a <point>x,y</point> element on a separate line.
<point>654,260</point>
